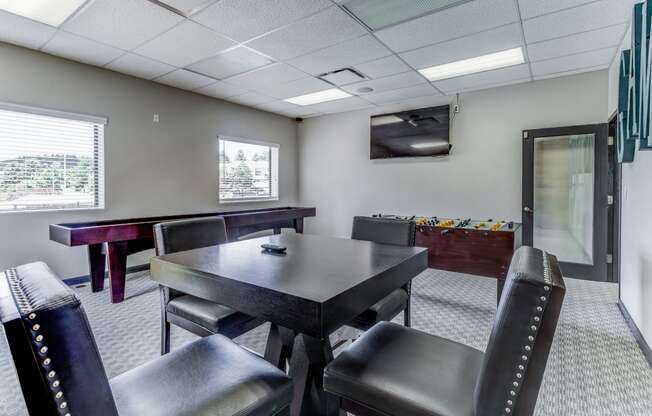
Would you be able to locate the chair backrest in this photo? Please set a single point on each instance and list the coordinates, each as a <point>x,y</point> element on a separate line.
<point>517,352</point>
<point>173,236</point>
<point>58,364</point>
<point>384,230</point>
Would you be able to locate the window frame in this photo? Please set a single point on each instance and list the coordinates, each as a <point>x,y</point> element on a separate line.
<point>100,150</point>
<point>270,198</point>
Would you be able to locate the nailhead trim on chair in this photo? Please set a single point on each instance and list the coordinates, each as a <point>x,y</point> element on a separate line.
<point>29,317</point>
<point>521,369</point>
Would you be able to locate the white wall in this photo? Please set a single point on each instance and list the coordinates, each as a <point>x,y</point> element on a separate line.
<point>151,169</point>
<point>636,228</point>
<point>482,177</point>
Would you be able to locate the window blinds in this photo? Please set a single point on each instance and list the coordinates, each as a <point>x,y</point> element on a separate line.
<point>50,160</point>
<point>247,170</point>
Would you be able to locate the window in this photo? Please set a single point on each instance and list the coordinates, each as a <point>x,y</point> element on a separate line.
<point>50,160</point>
<point>248,170</point>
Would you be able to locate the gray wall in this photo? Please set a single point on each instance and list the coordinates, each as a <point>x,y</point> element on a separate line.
<point>482,177</point>
<point>151,169</point>
<point>636,228</point>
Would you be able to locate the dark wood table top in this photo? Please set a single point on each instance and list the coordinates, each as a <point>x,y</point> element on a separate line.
<point>317,286</point>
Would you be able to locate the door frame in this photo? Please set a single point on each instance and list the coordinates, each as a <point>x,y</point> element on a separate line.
<point>616,170</point>
<point>597,271</point>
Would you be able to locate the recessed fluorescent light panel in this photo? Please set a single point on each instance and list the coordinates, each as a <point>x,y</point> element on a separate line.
<point>482,63</point>
<point>318,97</point>
<point>378,14</point>
<point>50,12</point>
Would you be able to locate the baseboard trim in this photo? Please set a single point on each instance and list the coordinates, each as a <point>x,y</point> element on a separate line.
<point>645,348</point>
<point>79,280</point>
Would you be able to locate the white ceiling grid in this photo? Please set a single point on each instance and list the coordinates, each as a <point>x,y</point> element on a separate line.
<point>260,52</point>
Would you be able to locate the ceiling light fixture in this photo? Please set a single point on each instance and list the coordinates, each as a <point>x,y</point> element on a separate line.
<point>52,13</point>
<point>318,97</point>
<point>482,63</point>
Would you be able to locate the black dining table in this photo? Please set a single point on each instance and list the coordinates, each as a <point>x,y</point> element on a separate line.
<point>318,285</point>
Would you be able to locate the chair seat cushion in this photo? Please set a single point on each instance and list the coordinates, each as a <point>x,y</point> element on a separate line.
<point>209,315</point>
<point>401,371</point>
<point>211,376</point>
<point>384,310</point>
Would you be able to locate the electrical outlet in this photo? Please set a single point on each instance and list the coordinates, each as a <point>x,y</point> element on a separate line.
<point>156,118</point>
<point>456,108</point>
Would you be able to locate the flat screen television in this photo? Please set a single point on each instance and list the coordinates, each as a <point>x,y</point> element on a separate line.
<point>414,133</point>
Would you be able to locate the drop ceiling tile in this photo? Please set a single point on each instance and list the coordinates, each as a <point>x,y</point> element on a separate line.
<point>517,73</point>
<point>188,7</point>
<point>344,104</point>
<point>24,32</point>
<point>221,90</point>
<point>583,18</point>
<point>139,66</point>
<point>391,82</point>
<point>185,80</point>
<point>235,61</point>
<point>125,24</point>
<point>251,98</point>
<point>277,106</point>
<point>278,73</point>
<point>462,20</point>
<point>301,111</point>
<point>580,42</point>
<point>573,62</point>
<point>295,88</point>
<point>185,44</point>
<point>383,67</point>
<point>81,49</point>
<point>414,103</point>
<point>569,73</point>
<point>320,30</point>
<point>494,40</point>
<point>345,54</point>
<point>401,94</point>
<point>533,8</point>
<point>243,20</point>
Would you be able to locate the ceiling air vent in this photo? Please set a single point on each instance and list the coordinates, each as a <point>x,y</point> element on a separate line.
<point>342,76</point>
<point>378,14</point>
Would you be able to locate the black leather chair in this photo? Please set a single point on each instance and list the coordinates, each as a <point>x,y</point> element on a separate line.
<point>61,372</point>
<point>398,371</point>
<point>385,231</point>
<point>199,316</point>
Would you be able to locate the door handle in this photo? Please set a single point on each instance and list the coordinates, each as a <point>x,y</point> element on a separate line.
<point>528,209</point>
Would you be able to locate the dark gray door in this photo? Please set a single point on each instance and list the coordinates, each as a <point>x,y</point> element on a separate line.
<point>565,201</point>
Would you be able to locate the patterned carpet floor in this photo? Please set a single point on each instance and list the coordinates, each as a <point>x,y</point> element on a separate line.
<point>595,366</point>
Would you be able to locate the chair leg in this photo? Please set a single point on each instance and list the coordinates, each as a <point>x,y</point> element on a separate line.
<point>165,325</point>
<point>407,313</point>
<point>165,337</point>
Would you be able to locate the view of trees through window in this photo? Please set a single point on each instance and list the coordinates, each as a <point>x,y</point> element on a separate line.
<point>48,163</point>
<point>247,170</point>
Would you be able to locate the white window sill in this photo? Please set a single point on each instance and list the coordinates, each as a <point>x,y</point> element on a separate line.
<point>246,200</point>
<point>46,210</point>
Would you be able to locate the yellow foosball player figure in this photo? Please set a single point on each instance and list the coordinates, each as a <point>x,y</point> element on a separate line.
<point>446,223</point>
<point>497,226</point>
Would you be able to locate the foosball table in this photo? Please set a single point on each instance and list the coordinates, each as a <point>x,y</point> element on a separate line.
<point>483,248</point>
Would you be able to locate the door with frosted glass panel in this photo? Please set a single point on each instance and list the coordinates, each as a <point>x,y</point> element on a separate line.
<point>565,204</point>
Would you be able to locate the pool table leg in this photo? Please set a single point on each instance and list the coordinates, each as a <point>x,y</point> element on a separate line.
<point>117,252</point>
<point>298,225</point>
<point>96,266</point>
